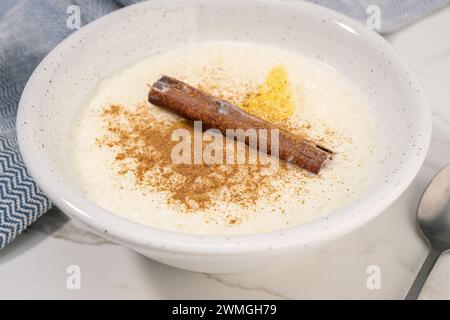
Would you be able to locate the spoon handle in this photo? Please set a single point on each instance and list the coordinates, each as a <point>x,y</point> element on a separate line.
<point>422,276</point>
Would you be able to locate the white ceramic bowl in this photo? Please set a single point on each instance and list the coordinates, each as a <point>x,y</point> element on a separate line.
<point>54,93</point>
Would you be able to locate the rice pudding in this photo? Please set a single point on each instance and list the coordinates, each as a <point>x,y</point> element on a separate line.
<point>122,143</point>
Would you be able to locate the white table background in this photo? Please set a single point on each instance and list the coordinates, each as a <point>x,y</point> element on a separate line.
<point>34,266</point>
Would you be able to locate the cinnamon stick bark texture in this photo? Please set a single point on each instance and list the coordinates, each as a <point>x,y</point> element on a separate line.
<point>196,105</point>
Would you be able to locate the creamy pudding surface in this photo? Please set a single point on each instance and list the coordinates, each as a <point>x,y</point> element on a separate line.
<point>122,144</point>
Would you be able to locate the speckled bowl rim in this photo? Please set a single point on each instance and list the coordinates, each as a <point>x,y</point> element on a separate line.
<point>140,236</point>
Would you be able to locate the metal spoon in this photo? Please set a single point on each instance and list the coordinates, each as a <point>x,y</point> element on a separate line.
<point>433,217</point>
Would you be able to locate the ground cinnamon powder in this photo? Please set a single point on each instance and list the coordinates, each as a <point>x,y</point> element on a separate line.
<point>142,146</point>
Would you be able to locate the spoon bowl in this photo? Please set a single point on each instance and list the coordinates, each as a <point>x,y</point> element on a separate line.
<point>433,214</point>
<point>433,217</point>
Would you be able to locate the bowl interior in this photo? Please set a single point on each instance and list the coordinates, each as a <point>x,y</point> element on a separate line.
<point>57,88</point>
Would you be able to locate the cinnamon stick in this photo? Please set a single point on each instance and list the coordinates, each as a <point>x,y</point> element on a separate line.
<point>194,104</point>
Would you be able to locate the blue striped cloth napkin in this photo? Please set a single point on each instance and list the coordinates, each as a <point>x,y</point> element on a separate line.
<point>29,29</point>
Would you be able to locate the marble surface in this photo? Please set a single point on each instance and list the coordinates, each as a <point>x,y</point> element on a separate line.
<point>35,265</point>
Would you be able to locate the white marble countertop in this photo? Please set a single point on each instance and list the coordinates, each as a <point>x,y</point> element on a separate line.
<point>35,265</point>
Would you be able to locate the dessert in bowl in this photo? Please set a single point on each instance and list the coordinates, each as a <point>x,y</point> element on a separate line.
<point>131,140</point>
<point>103,152</point>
